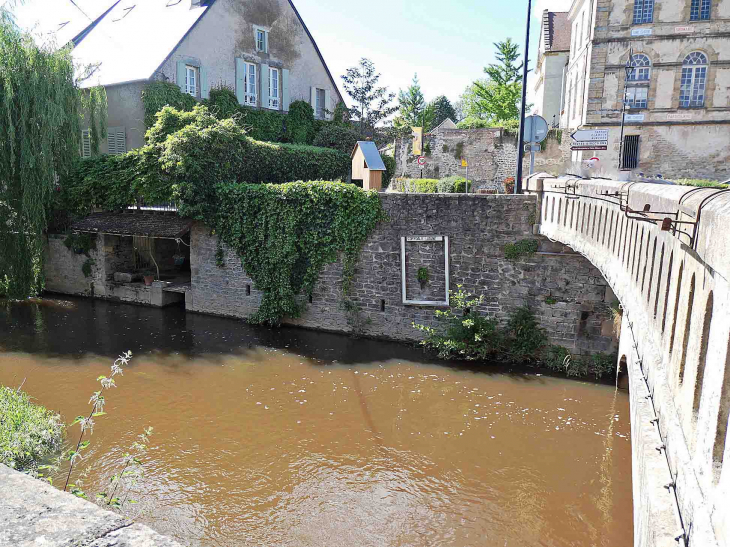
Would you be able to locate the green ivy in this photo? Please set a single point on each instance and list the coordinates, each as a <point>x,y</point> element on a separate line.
<point>524,247</point>
<point>285,234</point>
<point>459,150</point>
<point>550,300</point>
<point>156,95</point>
<point>423,275</point>
<point>80,243</point>
<point>86,266</point>
<point>300,123</point>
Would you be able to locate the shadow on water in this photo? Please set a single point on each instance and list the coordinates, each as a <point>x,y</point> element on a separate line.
<point>72,327</point>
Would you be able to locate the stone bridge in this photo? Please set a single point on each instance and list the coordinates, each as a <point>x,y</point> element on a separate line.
<point>665,251</point>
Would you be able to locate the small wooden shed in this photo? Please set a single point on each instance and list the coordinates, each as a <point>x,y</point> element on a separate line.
<point>367,165</point>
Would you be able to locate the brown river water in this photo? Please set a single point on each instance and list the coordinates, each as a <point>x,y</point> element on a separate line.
<point>295,438</point>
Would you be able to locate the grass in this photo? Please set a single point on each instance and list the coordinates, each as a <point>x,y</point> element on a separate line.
<point>28,432</point>
<point>706,183</point>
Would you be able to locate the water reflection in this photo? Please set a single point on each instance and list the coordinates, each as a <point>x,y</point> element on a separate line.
<point>298,438</point>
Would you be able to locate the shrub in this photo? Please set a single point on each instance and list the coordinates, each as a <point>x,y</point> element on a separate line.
<point>338,137</point>
<point>300,123</point>
<point>28,432</point>
<point>156,95</point>
<point>524,247</point>
<point>390,167</point>
<point>223,102</point>
<point>452,185</point>
<point>170,120</point>
<point>414,186</point>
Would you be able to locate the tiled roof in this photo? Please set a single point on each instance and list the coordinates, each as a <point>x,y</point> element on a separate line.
<point>161,225</point>
<point>556,31</point>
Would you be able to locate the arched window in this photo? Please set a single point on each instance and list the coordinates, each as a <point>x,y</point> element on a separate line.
<point>700,10</point>
<point>643,11</point>
<point>637,95</point>
<point>694,76</point>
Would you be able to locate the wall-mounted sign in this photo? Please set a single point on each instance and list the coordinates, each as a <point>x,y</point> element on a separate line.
<point>684,30</point>
<point>425,238</point>
<point>680,116</point>
<point>641,32</point>
<point>590,135</point>
<point>589,145</point>
<point>634,118</point>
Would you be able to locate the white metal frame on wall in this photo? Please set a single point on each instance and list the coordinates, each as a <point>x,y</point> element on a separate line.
<point>416,239</point>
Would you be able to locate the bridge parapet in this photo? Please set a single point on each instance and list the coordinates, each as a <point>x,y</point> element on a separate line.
<point>665,251</point>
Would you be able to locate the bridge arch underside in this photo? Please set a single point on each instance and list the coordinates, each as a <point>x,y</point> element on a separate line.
<point>675,339</point>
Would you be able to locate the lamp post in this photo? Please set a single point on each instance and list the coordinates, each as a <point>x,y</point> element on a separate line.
<point>521,137</point>
<point>629,68</point>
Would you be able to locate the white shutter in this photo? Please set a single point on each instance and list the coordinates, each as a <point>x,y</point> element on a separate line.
<point>117,140</point>
<point>241,80</point>
<point>181,75</point>
<point>264,87</point>
<point>85,143</point>
<point>327,109</point>
<point>285,97</point>
<point>313,98</point>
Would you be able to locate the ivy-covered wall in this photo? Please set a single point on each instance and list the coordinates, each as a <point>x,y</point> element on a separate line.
<point>575,311</point>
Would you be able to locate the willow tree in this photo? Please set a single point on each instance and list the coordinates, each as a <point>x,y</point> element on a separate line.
<point>40,107</point>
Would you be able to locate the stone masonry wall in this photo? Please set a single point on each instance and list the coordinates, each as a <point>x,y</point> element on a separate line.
<point>491,154</point>
<point>575,315</point>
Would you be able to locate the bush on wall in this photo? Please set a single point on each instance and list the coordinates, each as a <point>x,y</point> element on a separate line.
<point>156,95</point>
<point>338,137</point>
<point>300,123</point>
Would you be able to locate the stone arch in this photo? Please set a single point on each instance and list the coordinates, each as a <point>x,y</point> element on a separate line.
<point>702,357</point>
<point>718,449</point>
<point>666,293</point>
<point>622,374</point>
<point>659,282</point>
<point>687,329</point>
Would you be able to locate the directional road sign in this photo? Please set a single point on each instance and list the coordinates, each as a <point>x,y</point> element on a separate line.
<point>590,135</point>
<point>588,145</point>
<point>535,129</point>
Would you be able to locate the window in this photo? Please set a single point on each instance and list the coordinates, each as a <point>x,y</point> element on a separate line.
<point>262,40</point>
<point>642,68</point>
<point>116,140</point>
<point>630,152</point>
<point>85,143</point>
<point>191,80</point>
<point>694,76</point>
<point>700,10</point>
<point>320,106</point>
<point>274,88</point>
<point>249,83</point>
<point>643,11</point>
<point>637,95</point>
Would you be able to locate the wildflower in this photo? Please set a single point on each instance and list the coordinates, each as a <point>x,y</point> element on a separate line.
<point>98,400</point>
<point>87,423</point>
<point>106,383</point>
<point>117,369</point>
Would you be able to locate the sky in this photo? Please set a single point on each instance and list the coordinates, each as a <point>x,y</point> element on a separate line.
<point>446,42</point>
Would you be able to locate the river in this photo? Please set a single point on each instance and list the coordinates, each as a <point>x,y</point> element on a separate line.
<point>296,438</point>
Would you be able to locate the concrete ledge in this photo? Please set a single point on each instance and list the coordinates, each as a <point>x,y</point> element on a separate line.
<point>34,513</point>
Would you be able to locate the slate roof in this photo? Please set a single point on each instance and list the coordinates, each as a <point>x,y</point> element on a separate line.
<point>556,31</point>
<point>372,156</point>
<point>160,225</point>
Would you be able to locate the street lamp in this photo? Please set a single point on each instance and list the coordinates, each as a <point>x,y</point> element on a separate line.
<point>629,68</point>
<point>521,137</point>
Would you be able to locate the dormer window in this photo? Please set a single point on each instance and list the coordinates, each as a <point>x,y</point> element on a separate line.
<point>262,40</point>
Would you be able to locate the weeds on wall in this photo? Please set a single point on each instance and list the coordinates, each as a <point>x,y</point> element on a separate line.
<point>524,247</point>
<point>466,334</point>
<point>285,234</point>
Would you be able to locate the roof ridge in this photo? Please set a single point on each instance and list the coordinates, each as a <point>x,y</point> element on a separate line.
<point>81,35</point>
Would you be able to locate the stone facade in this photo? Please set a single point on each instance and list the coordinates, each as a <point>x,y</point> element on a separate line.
<point>675,340</point>
<point>491,154</point>
<point>568,295</point>
<point>675,140</point>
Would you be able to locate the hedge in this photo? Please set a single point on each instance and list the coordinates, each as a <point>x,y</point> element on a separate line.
<point>338,137</point>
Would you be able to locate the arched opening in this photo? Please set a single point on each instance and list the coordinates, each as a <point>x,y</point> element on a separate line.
<point>666,292</point>
<point>702,358</point>
<point>651,274</point>
<point>676,308</point>
<point>622,374</point>
<point>658,282</point>
<point>687,329</point>
<point>718,448</point>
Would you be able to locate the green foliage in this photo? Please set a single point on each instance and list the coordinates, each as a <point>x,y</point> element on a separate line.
<point>29,433</point>
<point>706,183</point>
<point>338,137</point>
<point>156,95</point>
<point>442,110</point>
<point>341,115</point>
<point>413,109</point>
<point>427,149</point>
<point>390,167</point>
<point>170,120</point>
<point>86,266</point>
<point>524,247</point>
<point>500,96</point>
<point>300,123</point>
<point>80,243</point>
<point>523,336</point>
<point>220,256</point>
<point>355,317</point>
<point>285,234</point>
<point>223,103</point>
<point>94,104</point>
<point>423,275</point>
<point>372,104</point>
<point>459,150</point>
<point>448,185</point>
<point>550,300</point>
<point>40,112</point>
<point>452,185</point>
<point>598,365</point>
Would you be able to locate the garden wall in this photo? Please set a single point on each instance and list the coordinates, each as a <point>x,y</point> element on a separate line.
<point>569,296</point>
<point>491,154</point>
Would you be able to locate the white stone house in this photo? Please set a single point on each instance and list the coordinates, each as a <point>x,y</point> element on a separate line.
<point>260,48</point>
<point>552,64</point>
<point>677,120</point>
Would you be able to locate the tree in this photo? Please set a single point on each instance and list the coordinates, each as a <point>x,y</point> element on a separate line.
<point>40,111</point>
<point>411,106</point>
<point>499,97</point>
<point>443,110</point>
<point>372,103</point>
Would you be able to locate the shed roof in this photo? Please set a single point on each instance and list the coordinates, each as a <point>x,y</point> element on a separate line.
<point>160,225</point>
<point>372,156</point>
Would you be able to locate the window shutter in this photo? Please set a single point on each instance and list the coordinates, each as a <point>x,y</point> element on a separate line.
<point>111,141</point>
<point>285,98</point>
<point>264,90</point>
<point>85,143</point>
<point>313,98</point>
<point>204,89</point>
<point>181,75</point>
<point>327,112</point>
<point>240,80</point>
<point>117,140</point>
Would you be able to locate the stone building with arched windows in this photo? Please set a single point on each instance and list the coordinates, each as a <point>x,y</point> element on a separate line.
<point>677,95</point>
